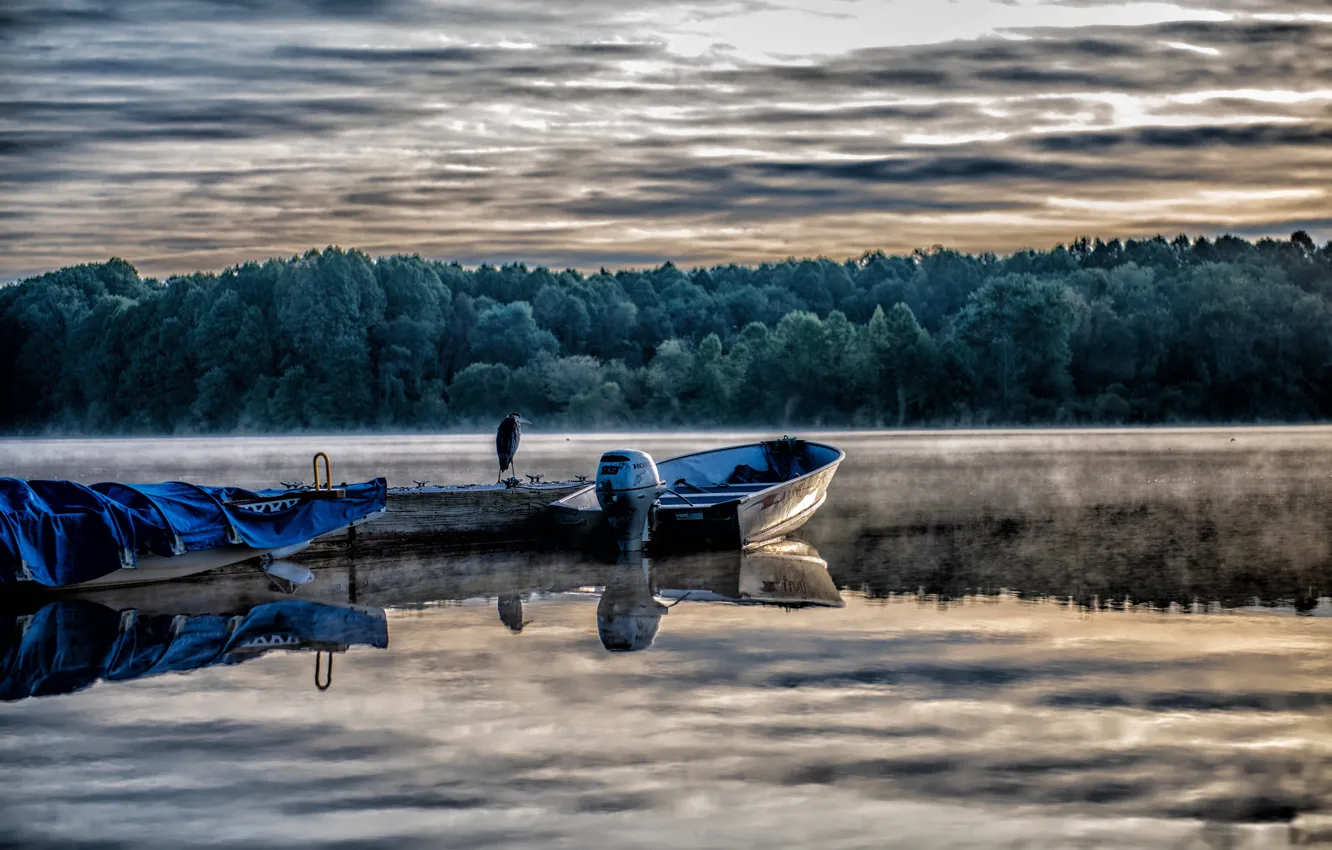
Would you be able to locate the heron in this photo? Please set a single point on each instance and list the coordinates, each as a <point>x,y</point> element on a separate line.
<point>508,434</point>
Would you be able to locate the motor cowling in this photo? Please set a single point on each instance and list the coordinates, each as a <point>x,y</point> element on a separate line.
<point>627,487</point>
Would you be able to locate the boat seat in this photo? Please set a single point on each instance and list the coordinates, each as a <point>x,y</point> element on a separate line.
<point>690,489</point>
<point>746,474</point>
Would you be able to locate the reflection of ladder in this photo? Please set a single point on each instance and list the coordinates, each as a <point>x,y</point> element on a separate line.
<point>328,678</point>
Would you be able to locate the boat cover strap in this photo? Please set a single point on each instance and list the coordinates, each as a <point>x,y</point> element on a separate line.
<point>61,532</point>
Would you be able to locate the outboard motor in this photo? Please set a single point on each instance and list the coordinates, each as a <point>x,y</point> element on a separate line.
<point>627,488</point>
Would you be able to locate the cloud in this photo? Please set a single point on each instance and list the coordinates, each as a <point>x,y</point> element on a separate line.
<point>1251,54</point>
<point>464,129</point>
<point>954,168</point>
<point>1265,137</point>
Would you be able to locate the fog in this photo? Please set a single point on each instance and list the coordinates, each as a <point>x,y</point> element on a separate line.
<point>1160,516</point>
<point>1049,638</point>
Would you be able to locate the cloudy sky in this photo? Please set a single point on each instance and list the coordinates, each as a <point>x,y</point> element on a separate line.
<point>188,134</point>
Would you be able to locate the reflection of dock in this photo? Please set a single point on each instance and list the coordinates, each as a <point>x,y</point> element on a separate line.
<point>787,573</point>
<point>118,633</point>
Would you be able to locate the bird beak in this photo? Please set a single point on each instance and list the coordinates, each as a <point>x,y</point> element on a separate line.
<point>524,421</point>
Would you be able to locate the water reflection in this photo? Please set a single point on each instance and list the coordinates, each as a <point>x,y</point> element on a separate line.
<point>1233,553</point>
<point>628,613</point>
<point>117,634</point>
<point>70,644</point>
<point>788,574</point>
<point>940,706</point>
<point>992,719</point>
<point>511,611</point>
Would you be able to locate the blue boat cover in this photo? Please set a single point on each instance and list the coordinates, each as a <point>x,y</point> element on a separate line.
<point>60,532</point>
<point>70,644</point>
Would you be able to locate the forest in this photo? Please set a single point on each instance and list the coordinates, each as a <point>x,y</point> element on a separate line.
<point>1151,331</point>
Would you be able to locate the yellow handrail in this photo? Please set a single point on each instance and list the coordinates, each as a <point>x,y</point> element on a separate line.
<point>328,471</point>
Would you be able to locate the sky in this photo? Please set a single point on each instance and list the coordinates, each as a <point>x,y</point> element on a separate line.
<point>195,134</point>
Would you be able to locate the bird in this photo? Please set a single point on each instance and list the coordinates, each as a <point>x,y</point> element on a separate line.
<point>508,434</point>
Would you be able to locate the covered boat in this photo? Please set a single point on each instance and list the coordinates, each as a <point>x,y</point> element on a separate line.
<point>60,533</point>
<point>735,497</point>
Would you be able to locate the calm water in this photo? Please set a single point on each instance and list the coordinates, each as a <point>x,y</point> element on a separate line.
<point>1108,639</point>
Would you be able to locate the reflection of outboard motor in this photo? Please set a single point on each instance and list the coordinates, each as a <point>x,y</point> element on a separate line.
<point>628,615</point>
<point>627,487</point>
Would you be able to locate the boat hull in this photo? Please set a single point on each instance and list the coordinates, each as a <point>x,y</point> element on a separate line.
<point>775,513</point>
<point>153,568</point>
<point>157,568</point>
<point>716,520</point>
<point>746,523</point>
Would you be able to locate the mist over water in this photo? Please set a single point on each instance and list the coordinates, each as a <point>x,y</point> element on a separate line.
<point>1150,516</point>
<point>1092,639</point>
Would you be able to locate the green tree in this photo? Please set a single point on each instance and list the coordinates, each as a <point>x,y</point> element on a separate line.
<point>509,334</point>
<point>481,392</point>
<point>667,378</point>
<point>1146,330</point>
<point>1016,331</point>
<point>903,359</point>
<point>564,315</point>
<point>326,304</point>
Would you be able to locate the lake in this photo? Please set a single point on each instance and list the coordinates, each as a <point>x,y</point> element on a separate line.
<point>1033,638</point>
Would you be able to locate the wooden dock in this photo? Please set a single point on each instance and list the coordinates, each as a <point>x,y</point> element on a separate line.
<point>435,517</point>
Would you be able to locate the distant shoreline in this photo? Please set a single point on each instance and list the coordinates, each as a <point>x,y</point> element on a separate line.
<point>531,436</point>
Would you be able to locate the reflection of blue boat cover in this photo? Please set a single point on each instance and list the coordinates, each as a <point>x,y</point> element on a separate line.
<point>70,644</point>
<point>66,533</point>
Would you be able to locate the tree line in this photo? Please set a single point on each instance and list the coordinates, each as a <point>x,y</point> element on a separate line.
<point>1137,332</point>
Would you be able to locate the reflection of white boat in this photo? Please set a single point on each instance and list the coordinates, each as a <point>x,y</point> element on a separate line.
<point>736,497</point>
<point>788,573</point>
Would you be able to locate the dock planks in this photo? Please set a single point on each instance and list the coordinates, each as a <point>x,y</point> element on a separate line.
<point>444,516</point>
